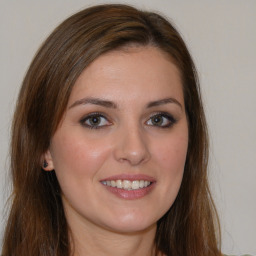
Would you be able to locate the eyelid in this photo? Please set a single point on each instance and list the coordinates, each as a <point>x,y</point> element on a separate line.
<point>166,115</point>
<point>94,114</point>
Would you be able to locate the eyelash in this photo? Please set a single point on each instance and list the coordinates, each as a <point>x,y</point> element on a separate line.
<point>169,118</point>
<point>93,115</point>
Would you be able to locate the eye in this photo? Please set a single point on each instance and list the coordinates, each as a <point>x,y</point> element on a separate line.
<point>161,120</point>
<point>94,121</point>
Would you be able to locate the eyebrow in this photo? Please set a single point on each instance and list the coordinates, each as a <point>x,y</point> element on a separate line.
<point>110,104</point>
<point>94,101</point>
<point>163,102</point>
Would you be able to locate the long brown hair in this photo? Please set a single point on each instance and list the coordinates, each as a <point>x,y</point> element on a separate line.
<point>37,223</point>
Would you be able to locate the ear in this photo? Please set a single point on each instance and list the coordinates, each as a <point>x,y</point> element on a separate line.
<point>47,161</point>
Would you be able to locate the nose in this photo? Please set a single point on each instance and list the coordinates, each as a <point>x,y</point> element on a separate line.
<point>131,146</point>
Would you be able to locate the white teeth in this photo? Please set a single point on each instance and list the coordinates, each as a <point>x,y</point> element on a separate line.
<point>135,184</point>
<point>127,184</point>
<point>119,184</point>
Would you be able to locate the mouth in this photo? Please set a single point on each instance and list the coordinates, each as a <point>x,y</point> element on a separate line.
<point>127,184</point>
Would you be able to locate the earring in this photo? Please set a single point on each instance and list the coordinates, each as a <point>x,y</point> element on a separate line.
<point>45,164</point>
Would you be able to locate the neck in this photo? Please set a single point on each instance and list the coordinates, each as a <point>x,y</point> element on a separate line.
<point>114,244</point>
<point>90,240</point>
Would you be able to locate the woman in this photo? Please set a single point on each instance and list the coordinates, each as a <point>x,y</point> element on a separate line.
<point>109,144</point>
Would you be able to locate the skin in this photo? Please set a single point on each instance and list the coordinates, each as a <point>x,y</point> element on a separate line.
<point>127,141</point>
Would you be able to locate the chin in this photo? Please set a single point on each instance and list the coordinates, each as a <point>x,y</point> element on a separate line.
<point>132,228</point>
<point>131,223</point>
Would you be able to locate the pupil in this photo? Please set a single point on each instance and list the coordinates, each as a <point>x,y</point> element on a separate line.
<point>94,120</point>
<point>157,120</point>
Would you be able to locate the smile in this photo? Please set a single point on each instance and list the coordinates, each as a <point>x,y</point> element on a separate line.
<point>126,184</point>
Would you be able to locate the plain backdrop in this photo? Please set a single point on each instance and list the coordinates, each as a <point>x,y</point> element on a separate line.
<point>221,36</point>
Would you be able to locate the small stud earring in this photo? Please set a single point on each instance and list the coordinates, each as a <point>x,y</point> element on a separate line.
<point>45,164</point>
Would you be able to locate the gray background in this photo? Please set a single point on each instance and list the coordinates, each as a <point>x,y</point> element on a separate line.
<point>222,39</point>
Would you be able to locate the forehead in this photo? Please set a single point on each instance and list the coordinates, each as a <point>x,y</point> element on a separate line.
<point>130,71</point>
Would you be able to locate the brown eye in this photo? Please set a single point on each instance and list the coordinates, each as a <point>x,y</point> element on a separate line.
<point>95,121</point>
<point>157,120</point>
<point>161,120</point>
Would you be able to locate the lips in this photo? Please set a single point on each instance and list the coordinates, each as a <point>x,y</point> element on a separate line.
<point>129,186</point>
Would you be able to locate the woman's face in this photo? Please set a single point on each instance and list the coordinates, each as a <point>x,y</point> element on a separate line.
<point>120,149</point>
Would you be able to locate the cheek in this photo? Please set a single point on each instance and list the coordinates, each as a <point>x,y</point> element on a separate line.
<point>172,154</point>
<point>170,157</point>
<point>73,155</point>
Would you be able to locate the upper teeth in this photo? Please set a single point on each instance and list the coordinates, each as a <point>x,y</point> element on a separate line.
<point>127,184</point>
